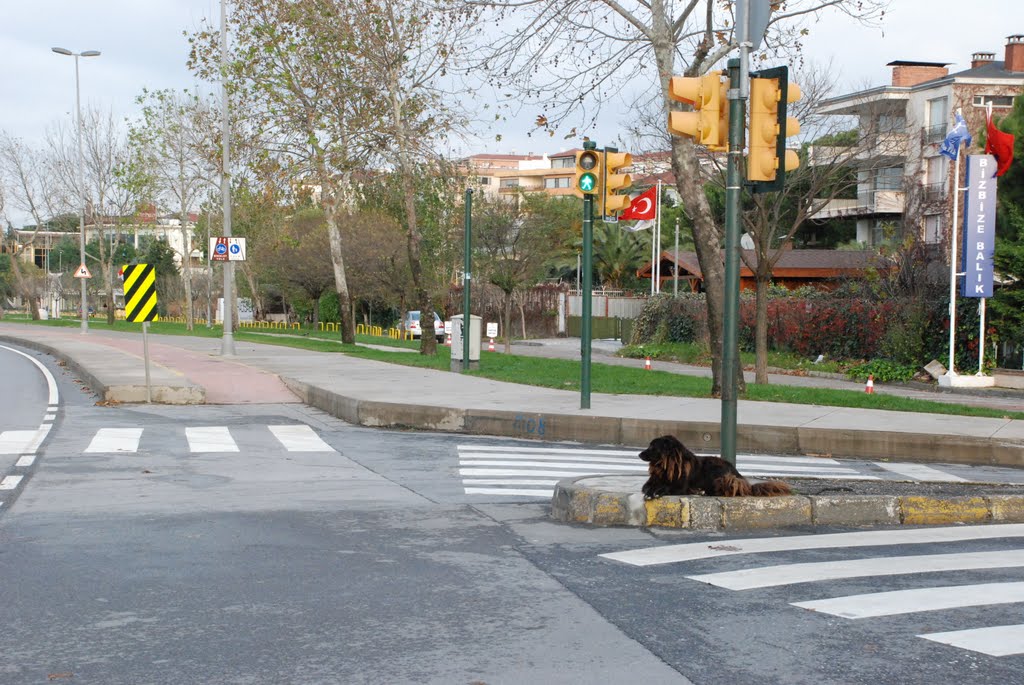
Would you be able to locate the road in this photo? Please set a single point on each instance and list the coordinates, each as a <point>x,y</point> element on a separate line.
<point>276,544</point>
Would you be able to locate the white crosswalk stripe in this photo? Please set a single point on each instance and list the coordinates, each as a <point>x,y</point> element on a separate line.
<point>206,439</point>
<point>920,472</point>
<point>108,440</point>
<point>813,578</point>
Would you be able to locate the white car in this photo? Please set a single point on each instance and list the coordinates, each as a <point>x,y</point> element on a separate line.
<point>412,324</point>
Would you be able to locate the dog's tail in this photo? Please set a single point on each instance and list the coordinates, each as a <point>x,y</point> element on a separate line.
<point>770,488</point>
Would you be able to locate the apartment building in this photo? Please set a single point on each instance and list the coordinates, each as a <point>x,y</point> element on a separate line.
<point>901,176</point>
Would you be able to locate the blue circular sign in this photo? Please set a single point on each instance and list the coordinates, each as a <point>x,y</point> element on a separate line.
<point>235,249</point>
<point>221,248</point>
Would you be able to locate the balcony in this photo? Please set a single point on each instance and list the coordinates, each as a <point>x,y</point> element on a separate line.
<point>868,150</point>
<point>934,192</point>
<point>933,134</point>
<point>865,204</point>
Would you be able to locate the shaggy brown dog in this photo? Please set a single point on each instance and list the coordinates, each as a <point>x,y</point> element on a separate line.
<point>676,470</point>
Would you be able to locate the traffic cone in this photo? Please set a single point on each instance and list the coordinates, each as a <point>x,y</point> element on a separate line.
<point>869,387</point>
<point>647,363</point>
<point>448,340</point>
<point>490,345</point>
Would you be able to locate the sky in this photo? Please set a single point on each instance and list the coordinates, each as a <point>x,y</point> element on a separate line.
<point>143,46</point>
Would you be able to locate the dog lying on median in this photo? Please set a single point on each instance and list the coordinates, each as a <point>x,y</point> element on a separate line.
<point>675,470</point>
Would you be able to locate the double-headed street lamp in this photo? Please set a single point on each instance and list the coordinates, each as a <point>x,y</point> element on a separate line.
<point>81,175</point>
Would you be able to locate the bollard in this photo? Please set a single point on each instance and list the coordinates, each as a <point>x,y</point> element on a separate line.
<point>647,363</point>
<point>490,345</point>
<point>869,387</point>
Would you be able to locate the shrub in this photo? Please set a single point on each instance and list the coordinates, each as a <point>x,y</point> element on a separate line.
<point>883,370</point>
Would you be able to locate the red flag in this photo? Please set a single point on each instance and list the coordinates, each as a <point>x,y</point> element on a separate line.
<point>999,144</point>
<point>642,206</point>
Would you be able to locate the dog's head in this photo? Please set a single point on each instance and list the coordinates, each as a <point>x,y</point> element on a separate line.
<point>661,448</point>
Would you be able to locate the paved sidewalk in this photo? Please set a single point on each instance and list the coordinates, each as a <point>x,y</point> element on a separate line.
<point>187,369</point>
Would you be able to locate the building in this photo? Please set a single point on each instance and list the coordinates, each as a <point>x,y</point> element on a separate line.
<point>901,176</point>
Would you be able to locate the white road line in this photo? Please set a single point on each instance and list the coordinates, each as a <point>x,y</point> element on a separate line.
<point>920,472</point>
<point>874,604</point>
<point>25,460</point>
<point>300,438</point>
<point>547,450</point>
<point>508,491</point>
<point>994,640</point>
<point>763,458</point>
<point>818,474</point>
<point>523,472</point>
<point>509,481</point>
<point>210,439</point>
<point>108,440</point>
<point>790,574</point>
<point>9,482</point>
<point>670,554</point>
<point>49,417</point>
<point>53,400</point>
<point>781,468</point>
<point>554,465</point>
<point>17,442</point>
<point>553,458</point>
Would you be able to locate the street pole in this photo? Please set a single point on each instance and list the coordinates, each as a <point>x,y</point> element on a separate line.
<point>227,346</point>
<point>588,258</point>
<point>466,279</point>
<point>81,177</point>
<point>675,268</point>
<point>730,327</point>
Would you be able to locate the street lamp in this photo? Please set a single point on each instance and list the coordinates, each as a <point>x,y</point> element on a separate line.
<point>81,174</point>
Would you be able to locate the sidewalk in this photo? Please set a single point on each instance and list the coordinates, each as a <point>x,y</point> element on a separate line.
<point>369,393</point>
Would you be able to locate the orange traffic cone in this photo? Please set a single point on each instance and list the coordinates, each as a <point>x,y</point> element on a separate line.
<point>490,345</point>
<point>647,363</point>
<point>869,387</point>
<point>448,340</point>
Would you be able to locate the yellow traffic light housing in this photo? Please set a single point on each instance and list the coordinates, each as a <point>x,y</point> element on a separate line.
<point>768,159</point>
<point>708,124</point>
<point>615,182</point>
<point>588,173</point>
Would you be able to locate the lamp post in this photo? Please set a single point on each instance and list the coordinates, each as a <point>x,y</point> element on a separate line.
<point>81,174</point>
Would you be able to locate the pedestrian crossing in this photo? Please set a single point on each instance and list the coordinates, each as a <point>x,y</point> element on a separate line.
<point>518,471</point>
<point>208,439</point>
<point>812,584</point>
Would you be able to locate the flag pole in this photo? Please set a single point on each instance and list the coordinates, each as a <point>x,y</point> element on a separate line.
<point>657,242</point>
<point>951,371</point>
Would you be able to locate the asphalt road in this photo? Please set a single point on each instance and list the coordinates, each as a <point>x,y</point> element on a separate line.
<point>276,544</point>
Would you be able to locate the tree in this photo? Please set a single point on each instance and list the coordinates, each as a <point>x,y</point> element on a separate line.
<point>177,135</point>
<point>513,245</point>
<point>574,55</point>
<point>1007,304</point>
<point>300,258</point>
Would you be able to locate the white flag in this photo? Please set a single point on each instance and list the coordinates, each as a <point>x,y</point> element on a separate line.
<point>640,225</point>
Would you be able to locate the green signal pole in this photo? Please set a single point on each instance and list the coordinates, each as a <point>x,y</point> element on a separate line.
<point>588,259</point>
<point>467,262</point>
<point>730,314</point>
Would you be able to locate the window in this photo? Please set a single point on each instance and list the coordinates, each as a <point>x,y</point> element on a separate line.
<point>483,180</point>
<point>998,101</point>
<point>889,178</point>
<point>509,183</point>
<point>933,228</point>
<point>938,114</point>
<point>888,123</point>
<point>563,163</point>
<point>936,170</point>
<point>556,182</point>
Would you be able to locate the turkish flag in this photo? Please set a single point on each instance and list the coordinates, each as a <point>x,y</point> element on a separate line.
<point>642,206</point>
<point>999,144</point>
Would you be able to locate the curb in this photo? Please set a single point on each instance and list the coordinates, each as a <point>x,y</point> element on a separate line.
<point>617,501</point>
<point>612,430</point>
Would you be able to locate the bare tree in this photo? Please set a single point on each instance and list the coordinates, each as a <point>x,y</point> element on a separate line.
<point>572,56</point>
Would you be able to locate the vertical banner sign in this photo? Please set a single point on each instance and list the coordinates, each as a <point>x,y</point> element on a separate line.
<point>140,293</point>
<point>979,226</point>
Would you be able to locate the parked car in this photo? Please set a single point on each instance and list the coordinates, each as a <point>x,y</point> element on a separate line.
<point>412,324</point>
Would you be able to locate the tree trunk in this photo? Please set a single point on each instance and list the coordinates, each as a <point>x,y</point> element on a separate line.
<point>761,330</point>
<point>348,329</point>
<point>507,322</point>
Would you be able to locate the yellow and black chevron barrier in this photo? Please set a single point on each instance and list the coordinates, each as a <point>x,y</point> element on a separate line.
<point>140,293</point>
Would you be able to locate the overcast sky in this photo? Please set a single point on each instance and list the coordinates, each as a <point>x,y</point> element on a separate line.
<point>143,46</point>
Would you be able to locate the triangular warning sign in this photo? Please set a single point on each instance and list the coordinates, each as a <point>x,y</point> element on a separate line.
<point>82,272</point>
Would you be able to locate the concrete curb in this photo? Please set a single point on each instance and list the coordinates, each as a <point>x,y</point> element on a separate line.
<point>611,430</point>
<point>616,501</point>
<point>165,388</point>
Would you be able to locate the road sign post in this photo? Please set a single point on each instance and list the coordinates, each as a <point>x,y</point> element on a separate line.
<point>140,305</point>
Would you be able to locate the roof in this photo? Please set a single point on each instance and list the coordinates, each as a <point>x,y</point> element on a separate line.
<point>910,63</point>
<point>793,263</point>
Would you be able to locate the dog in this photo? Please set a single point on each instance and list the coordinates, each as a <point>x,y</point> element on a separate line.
<point>675,470</point>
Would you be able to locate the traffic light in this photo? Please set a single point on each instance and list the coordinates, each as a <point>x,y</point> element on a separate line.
<point>708,124</point>
<point>588,173</point>
<point>612,202</point>
<point>768,159</point>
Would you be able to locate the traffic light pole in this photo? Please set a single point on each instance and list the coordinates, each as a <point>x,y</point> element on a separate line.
<point>588,259</point>
<point>467,263</point>
<point>730,314</point>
